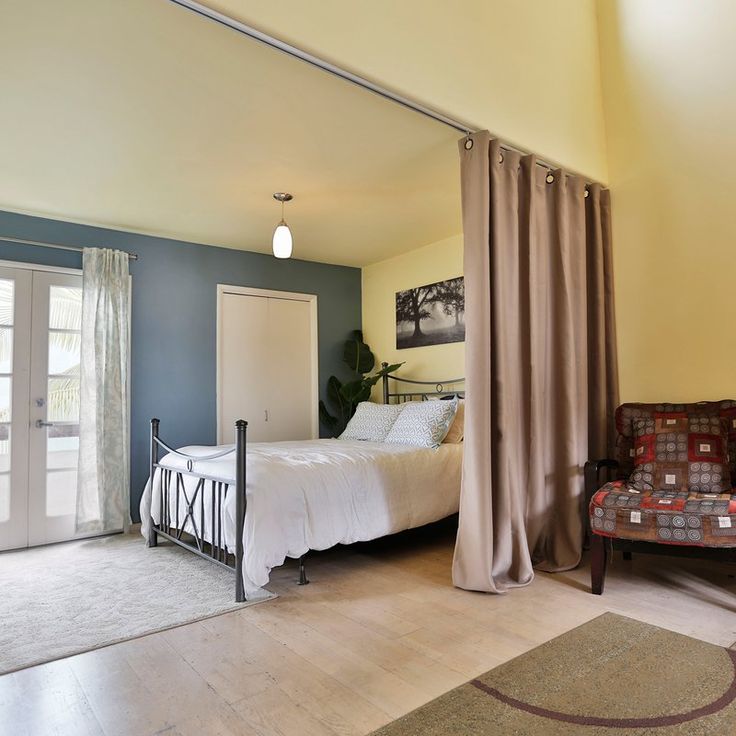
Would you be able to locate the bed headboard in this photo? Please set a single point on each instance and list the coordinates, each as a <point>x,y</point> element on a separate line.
<point>448,387</point>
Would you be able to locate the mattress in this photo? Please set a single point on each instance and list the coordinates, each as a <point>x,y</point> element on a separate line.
<point>314,494</point>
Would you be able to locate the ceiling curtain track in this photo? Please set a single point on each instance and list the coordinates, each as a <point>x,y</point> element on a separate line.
<point>58,246</point>
<point>275,43</point>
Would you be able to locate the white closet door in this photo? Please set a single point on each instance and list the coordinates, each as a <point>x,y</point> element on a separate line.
<point>290,392</point>
<point>267,365</point>
<point>243,365</point>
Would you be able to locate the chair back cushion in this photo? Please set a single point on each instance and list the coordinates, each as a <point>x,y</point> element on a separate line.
<point>627,414</point>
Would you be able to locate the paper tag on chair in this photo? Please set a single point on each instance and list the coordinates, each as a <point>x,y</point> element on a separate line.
<point>636,517</point>
<point>724,522</point>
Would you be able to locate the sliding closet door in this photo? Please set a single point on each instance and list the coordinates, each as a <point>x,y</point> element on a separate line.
<point>291,397</point>
<point>267,364</point>
<point>242,365</point>
<point>15,350</point>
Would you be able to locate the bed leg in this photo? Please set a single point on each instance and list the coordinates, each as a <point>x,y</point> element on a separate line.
<point>303,580</point>
<point>153,455</point>
<point>240,506</point>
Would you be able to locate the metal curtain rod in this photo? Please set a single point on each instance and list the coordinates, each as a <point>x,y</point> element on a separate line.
<point>337,71</point>
<point>131,256</point>
<point>297,53</point>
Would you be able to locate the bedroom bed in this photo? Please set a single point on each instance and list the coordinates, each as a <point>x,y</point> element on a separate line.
<point>250,510</point>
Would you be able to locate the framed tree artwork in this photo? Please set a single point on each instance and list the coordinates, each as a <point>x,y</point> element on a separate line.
<point>432,314</point>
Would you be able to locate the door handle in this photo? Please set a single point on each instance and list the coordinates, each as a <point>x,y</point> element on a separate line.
<point>41,424</point>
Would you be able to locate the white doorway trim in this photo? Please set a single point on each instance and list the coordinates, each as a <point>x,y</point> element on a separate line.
<point>311,299</point>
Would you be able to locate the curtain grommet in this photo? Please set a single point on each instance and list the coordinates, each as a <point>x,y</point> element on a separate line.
<point>587,193</point>
<point>549,178</point>
<point>500,158</point>
<point>468,144</point>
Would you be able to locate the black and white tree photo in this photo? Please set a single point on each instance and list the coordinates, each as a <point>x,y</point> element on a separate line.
<point>431,315</point>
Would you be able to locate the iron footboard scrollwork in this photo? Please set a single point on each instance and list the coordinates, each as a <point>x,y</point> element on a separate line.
<point>192,530</point>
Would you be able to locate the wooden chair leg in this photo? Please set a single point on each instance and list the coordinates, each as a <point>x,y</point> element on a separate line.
<point>598,561</point>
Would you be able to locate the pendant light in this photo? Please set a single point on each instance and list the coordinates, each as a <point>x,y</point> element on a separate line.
<point>282,240</point>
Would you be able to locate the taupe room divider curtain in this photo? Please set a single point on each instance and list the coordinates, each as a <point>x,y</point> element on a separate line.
<point>540,363</point>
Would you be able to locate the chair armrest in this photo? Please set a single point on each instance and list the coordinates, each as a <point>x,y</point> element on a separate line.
<point>592,475</point>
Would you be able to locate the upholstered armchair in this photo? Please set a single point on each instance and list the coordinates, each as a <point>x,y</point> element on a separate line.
<point>669,489</point>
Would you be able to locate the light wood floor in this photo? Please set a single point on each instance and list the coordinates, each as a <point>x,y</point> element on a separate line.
<point>379,631</point>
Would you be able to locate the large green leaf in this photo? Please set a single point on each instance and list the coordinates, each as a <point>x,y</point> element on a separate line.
<point>332,423</point>
<point>335,397</point>
<point>358,355</point>
<point>356,391</point>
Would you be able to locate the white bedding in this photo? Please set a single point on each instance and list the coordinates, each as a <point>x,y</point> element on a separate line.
<point>319,493</point>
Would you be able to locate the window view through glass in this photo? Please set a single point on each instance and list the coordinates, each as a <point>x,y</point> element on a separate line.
<point>65,323</point>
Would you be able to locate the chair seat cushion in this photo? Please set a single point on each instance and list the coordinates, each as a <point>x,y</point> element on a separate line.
<point>666,517</point>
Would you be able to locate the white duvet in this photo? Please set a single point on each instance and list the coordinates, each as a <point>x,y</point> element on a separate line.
<point>316,494</point>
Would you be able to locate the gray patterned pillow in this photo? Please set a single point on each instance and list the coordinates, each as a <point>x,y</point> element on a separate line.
<point>371,422</point>
<point>423,423</point>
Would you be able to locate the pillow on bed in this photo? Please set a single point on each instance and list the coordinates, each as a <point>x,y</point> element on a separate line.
<point>371,422</point>
<point>457,428</point>
<point>423,423</point>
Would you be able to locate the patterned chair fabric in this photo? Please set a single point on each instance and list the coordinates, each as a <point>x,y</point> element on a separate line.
<point>666,516</point>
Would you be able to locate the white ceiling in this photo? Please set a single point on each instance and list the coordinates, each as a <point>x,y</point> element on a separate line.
<point>142,116</point>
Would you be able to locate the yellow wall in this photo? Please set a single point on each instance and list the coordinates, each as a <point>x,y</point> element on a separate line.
<point>525,69</point>
<point>669,74</point>
<point>381,281</point>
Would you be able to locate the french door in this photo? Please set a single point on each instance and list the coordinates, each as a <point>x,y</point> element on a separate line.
<point>40,340</point>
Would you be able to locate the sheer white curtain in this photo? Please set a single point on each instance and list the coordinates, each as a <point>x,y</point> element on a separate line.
<point>103,502</point>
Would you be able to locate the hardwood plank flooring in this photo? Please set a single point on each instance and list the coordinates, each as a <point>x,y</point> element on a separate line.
<point>379,631</point>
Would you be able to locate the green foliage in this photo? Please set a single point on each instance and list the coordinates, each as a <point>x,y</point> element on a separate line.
<point>344,398</point>
<point>357,354</point>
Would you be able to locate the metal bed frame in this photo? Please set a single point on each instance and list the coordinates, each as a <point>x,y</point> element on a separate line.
<point>192,502</point>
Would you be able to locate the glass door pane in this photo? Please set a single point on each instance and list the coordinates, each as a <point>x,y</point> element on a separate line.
<point>62,439</point>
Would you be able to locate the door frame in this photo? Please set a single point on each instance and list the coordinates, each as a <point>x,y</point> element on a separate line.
<point>28,266</point>
<point>16,527</point>
<point>311,299</point>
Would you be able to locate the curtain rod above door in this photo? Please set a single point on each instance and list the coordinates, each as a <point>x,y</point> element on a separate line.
<point>21,241</point>
<point>275,43</point>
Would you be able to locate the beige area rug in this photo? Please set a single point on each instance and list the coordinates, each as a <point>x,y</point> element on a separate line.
<point>612,675</point>
<point>68,598</point>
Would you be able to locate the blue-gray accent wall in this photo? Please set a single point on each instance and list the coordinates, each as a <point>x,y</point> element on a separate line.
<point>174,312</point>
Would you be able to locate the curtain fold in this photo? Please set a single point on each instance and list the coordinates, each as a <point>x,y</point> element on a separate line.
<point>541,376</point>
<point>103,488</point>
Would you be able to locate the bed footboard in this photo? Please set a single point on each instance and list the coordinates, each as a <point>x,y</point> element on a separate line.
<point>190,530</point>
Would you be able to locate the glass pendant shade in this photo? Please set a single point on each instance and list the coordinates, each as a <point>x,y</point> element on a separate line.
<point>282,241</point>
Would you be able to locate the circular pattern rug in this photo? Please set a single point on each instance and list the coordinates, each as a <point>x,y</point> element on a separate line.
<point>611,675</point>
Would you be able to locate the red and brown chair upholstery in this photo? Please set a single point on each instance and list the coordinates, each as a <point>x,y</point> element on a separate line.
<point>671,488</point>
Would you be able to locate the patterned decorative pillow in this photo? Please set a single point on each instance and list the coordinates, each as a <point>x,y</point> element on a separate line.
<point>677,452</point>
<point>371,422</point>
<point>423,423</point>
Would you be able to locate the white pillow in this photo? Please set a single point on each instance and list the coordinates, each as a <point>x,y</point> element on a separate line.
<point>423,423</point>
<point>371,422</point>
